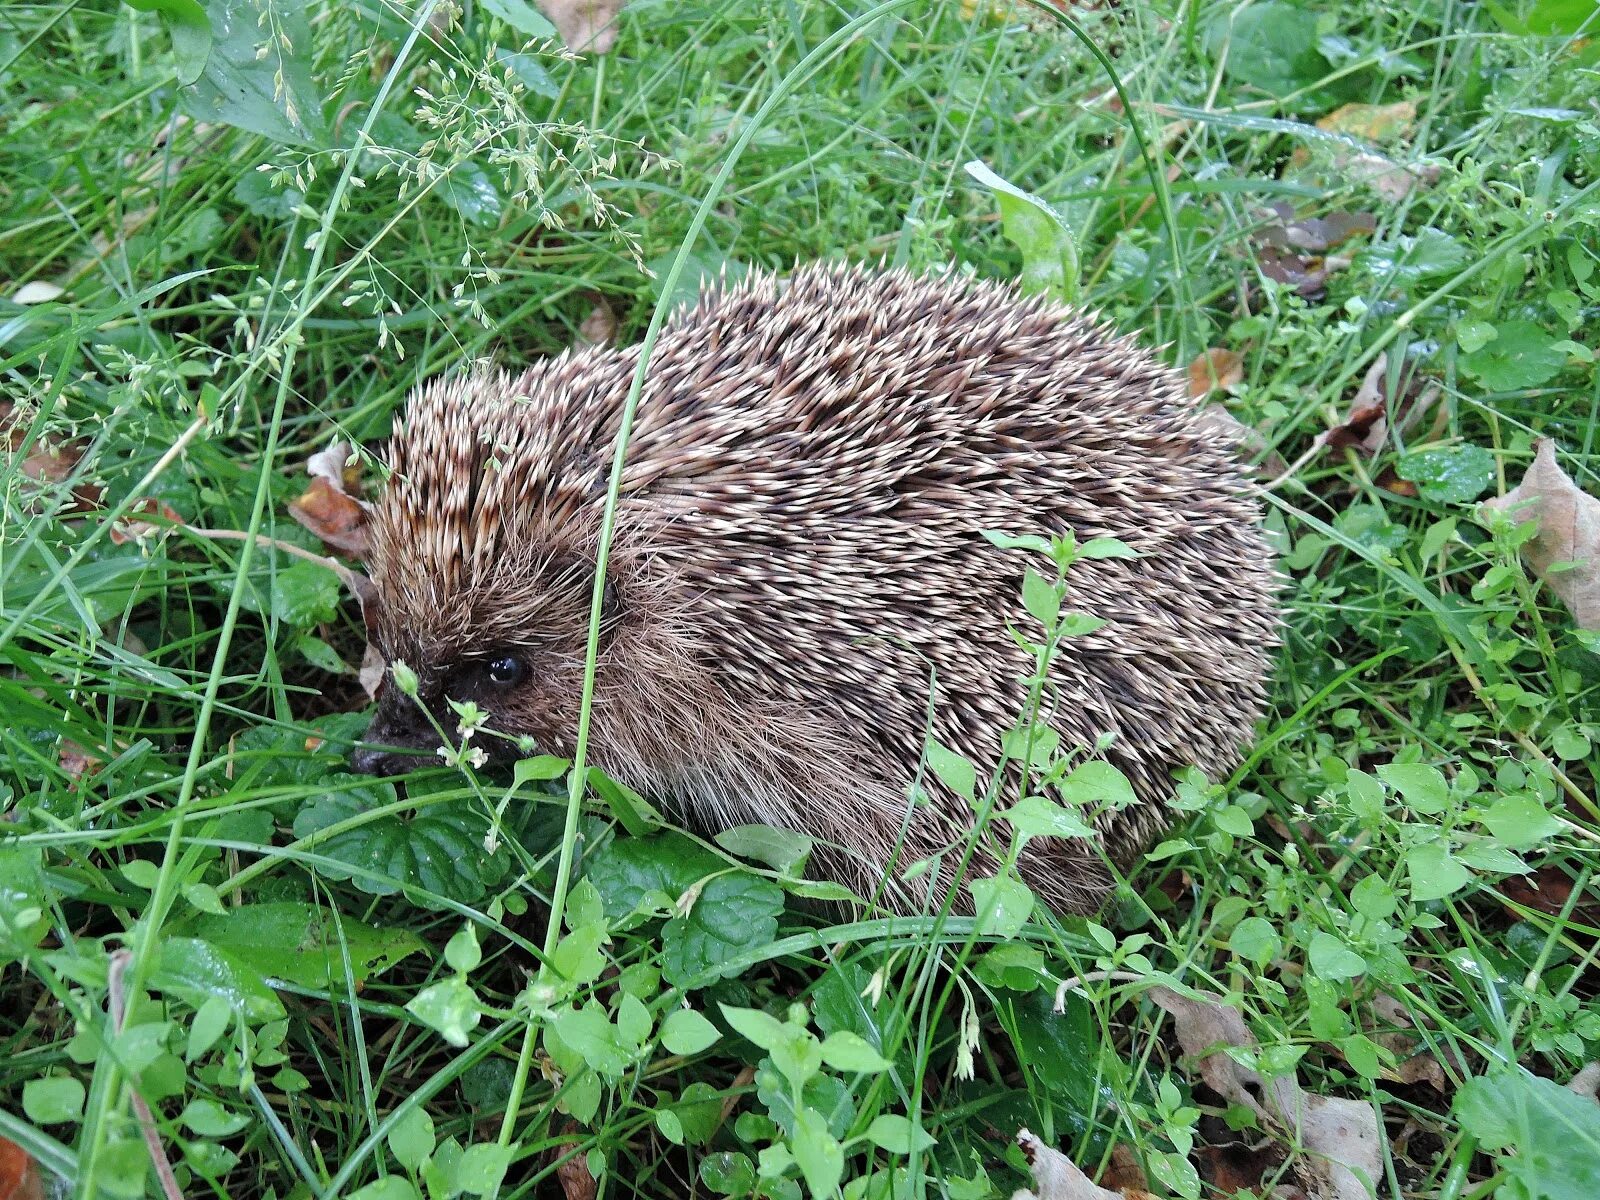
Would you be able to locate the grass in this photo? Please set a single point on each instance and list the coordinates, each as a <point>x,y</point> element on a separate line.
<point>1402,868</point>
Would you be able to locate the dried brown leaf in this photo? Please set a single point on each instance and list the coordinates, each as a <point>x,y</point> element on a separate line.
<point>1569,533</point>
<point>1340,1136</point>
<point>1366,422</point>
<point>1309,234</point>
<point>20,1177</point>
<point>39,291</point>
<point>76,762</point>
<point>1250,441</point>
<point>329,507</point>
<point>373,665</point>
<point>1215,369</point>
<point>572,1169</point>
<point>136,526</point>
<point>1391,180</point>
<point>1055,1177</point>
<point>584,25</point>
<point>599,328</point>
<point>1374,122</point>
<point>1586,1082</point>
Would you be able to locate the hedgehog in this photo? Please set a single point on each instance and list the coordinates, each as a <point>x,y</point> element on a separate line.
<point>800,594</point>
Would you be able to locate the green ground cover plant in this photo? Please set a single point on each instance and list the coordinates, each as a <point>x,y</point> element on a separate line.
<point>236,232</point>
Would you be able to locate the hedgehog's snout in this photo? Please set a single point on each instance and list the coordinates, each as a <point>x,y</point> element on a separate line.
<point>399,725</point>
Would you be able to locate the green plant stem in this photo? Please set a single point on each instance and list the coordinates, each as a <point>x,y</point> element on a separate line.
<point>107,1076</point>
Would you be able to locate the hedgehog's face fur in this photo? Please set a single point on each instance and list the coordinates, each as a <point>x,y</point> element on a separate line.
<point>526,675</point>
<point>799,554</point>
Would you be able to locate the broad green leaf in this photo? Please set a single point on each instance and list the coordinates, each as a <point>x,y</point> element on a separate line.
<point>1406,260</point>
<point>1522,355</point>
<point>578,957</point>
<point>685,1031</point>
<point>1550,1136</point>
<point>1271,48</point>
<point>1453,475</point>
<point>1332,960</point>
<point>627,869</point>
<point>1434,872</point>
<point>1095,784</point>
<point>450,1008</point>
<point>897,1134</point>
<point>197,970</point>
<point>1422,787</point>
<point>24,916</point>
<point>818,1153</point>
<point>1106,547</point>
<point>482,1167</point>
<point>1255,940</point>
<point>823,1093</point>
<point>852,1053</point>
<point>411,1138</point>
<point>699,1112</point>
<point>951,769</point>
<point>761,1029</point>
<point>209,1119</point>
<point>190,30</point>
<point>781,849</point>
<point>462,951</point>
<point>390,1187</point>
<point>440,848</point>
<point>1520,821</point>
<point>300,943</point>
<point>521,16</point>
<point>735,912</point>
<point>258,74</point>
<point>1011,965</point>
<point>1040,598</point>
<point>600,1043</point>
<point>728,1173</point>
<point>539,769</point>
<point>1049,251</point>
<point>53,1099</point>
<point>1036,816</point>
<point>210,1022</point>
<point>1002,904</point>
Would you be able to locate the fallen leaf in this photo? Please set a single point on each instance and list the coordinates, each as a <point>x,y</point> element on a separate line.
<point>584,24</point>
<point>1391,180</point>
<point>1291,249</point>
<point>599,328</point>
<point>328,508</point>
<point>1054,1175</point>
<point>38,292</point>
<point>1366,422</point>
<point>133,527</point>
<point>47,461</point>
<point>1231,1166</point>
<point>337,465</point>
<point>572,1169</point>
<point>76,762</point>
<point>1374,122</point>
<point>373,665</point>
<point>1569,533</point>
<point>20,1177</point>
<point>1216,369</point>
<point>1124,1174</point>
<point>1341,1137</point>
<point>1586,1082</point>
<point>1289,231</point>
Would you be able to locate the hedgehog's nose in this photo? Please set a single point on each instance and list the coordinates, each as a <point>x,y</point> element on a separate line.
<point>367,761</point>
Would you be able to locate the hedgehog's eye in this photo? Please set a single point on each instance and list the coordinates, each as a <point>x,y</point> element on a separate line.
<point>507,670</point>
